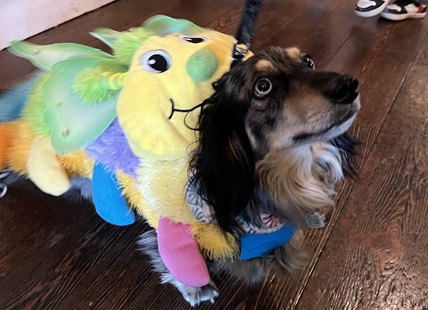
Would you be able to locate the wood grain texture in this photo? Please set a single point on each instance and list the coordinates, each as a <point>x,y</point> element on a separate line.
<point>17,223</point>
<point>59,255</point>
<point>378,246</point>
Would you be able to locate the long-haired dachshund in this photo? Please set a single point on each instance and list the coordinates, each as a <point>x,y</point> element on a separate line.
<point>273,138</point>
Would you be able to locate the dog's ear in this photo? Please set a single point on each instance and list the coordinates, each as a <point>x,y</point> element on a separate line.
<point>347,144</point>
<point>223,164</point>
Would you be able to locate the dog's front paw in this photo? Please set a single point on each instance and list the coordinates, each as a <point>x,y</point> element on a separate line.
<point>195,295</point>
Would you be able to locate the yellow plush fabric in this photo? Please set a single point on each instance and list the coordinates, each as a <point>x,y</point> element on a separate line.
<point>214,243</point>
<point>166,179</point>
<point>145,105</point>
<point>136,200</point>
<point>151,112</point>
<point>44,168</point>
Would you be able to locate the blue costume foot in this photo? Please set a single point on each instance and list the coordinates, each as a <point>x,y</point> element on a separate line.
<point>108,199</point>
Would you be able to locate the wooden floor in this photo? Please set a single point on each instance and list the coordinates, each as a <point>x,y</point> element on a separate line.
<point>56,254</point>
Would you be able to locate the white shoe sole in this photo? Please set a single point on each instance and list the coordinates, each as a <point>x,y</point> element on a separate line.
<point>373,12</point>
<point>397,17</point>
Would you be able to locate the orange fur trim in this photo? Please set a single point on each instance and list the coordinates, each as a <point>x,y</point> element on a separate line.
<point>4,143</point>
<point>78,164</point>
<point>21,138</point>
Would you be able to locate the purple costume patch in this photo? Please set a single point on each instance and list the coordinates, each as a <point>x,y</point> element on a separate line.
<point>112,150</point>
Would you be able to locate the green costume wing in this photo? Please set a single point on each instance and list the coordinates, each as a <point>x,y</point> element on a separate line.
<point>45,56</point>
<point>73,122</point>
<point>106,35</point>
<point>162,25</point>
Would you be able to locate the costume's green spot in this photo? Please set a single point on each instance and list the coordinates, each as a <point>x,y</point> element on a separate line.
<point>45,56</point>
<point>202,65</point>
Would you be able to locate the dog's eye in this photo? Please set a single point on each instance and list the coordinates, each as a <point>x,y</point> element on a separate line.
<point>263,87</point>
<point>157,61</point>
<point>193,40</point>
<point>308,62</point>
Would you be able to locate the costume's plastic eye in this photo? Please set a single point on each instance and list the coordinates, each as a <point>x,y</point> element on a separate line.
<point>156,61</point>
<point>307,60</point>
<point>193,40</point>
<point>263,87</point>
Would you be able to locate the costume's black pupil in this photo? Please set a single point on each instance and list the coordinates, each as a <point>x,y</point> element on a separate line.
<point>194,40</point>
<point>158,62</point>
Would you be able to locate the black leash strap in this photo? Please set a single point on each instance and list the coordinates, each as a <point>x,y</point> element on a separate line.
<point>246,30</point>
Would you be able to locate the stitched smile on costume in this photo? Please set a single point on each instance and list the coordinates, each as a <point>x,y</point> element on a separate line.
<point>170,76</point>
<point>174,109</point>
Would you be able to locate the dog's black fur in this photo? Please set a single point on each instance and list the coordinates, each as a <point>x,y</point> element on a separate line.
<point>225,158</point>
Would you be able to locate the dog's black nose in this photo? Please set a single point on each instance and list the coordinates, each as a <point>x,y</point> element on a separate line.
<point>345,90</point>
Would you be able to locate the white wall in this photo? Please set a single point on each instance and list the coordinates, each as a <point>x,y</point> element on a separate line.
<point>20,19</point>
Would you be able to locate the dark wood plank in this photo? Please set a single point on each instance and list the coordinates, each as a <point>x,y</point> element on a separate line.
<point>374,258</point>
<point>27,265</point>
<point>19,218</point>
<point>316,31</point>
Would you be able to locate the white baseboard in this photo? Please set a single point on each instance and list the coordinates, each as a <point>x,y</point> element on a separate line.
<point>21,19</point>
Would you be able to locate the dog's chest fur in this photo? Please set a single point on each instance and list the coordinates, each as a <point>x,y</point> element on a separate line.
<point>293,184</point>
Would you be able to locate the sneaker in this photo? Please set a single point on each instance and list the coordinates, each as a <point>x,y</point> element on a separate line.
<point>369,8</point>
<point>403,9</point>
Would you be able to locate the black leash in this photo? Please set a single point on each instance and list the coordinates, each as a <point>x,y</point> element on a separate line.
<point>246,30</point>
